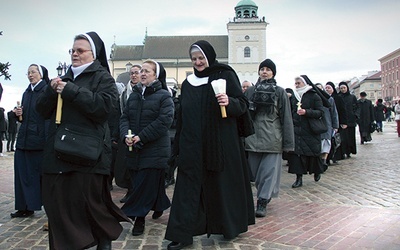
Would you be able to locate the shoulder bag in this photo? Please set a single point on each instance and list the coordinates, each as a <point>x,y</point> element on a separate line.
<point>318,126</point>
<point>78,146</point>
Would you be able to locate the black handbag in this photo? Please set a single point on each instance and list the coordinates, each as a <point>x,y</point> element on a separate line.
<point>336,140</point>
<point>245,124</point>
<point>318,126</point>
<point>372,127</point>
<point>80,147</point>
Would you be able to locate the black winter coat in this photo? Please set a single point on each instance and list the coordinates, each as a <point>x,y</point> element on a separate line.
<point>379,111</point>
<point>155,109</point>
<point>34,127</point>
<point>88,101</point>
<point>12,122</point>
<point>341,108</point>
<point>365,115</point>
<point>306,142</point>
<point>350,102</point>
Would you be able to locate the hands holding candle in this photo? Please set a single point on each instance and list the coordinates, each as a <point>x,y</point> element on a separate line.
<point>129,140</point>
<point>18,111</point>
<point>58,85</point>
<point>219,87</point>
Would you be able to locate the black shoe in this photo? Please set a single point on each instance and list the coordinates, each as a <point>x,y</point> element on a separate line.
<point>21,214</point>
<point>177,245</point>
<point>104,245</point>
<point>317,177</point>
<point>157,214</point>
<point>298,183</point>
<point>261,210</point>
<point>125,198</point>
<point>138,228</point>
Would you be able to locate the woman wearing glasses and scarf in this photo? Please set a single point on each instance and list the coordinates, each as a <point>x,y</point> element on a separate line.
<point>306,156</point>
<point>76,197</point>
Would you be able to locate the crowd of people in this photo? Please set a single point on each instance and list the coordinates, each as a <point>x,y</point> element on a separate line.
<point>311,126</point>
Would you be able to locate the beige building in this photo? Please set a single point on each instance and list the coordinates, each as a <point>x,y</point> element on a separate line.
<point>390,76</point>
<point>243,48</point>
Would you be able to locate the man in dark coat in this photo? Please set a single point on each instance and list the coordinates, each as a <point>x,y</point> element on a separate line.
<point>365,117</point>
<point>3,129</point>
<point>12,129</point>
<point>379,113</point>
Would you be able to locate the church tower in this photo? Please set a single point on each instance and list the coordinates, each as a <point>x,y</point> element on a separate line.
<point>247,40</point>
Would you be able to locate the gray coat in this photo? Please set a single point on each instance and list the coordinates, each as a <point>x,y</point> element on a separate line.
<point>273,132</point>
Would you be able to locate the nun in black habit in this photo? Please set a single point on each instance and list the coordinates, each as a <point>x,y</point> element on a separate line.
<point>30,144</point>
<point>76,197</point>
<point>212,192</point>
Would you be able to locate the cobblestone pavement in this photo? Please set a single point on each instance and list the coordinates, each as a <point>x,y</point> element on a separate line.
<point>355,205</point>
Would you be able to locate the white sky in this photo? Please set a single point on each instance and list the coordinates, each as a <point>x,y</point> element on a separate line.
<point>328,40</point>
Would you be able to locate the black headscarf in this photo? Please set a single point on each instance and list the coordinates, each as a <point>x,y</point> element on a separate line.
<point>43,72</point>
<point>99,49</point>
<point>324,96</point>
<point>208,51</point>
<point>213,156</point>
<point>162,75</point>
<point>348,90</point>
<point>333,87</point>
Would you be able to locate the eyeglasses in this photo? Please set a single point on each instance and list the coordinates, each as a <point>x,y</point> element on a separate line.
<point>134,73</point>
<point>31,72</point>
<point>78,51</point>
<point>297,83</point>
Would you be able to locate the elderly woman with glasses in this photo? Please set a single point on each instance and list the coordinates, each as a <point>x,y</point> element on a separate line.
<point>76,197</point>
<point>306,156</point>
<point>30,144</point>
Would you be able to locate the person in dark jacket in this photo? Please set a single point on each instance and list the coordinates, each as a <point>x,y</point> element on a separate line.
<point>12,129</point>
<point>273,135</point>
<point>3,129</point>
<point>306,156</point>
<point>365,117</point>
<point>348,145</point>
<point>342,114</point>
<point>379,113</point>
<point>76,197</point>
<point>122,177</point>
<point>212,192</point>
<point>30,144</point>
<point>148,114</point>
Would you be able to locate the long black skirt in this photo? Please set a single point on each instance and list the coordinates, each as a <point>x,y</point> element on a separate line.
<point>80,210</point>
<point>301,164</point>
<point>148,193</point>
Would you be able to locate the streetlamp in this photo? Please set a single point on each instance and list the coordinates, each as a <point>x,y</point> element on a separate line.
<point>62,67</point>
<point>59,69</point>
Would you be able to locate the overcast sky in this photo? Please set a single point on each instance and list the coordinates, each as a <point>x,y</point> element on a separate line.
<point>328,40</point>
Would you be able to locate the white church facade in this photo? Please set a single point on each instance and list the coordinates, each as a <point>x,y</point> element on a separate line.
<point>243,48</point>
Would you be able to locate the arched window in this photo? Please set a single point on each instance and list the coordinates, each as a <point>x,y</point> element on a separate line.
<point>246,52</point>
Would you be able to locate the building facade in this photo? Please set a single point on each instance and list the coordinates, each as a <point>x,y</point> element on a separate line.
<point>390,76</point>
<point>243,48</point>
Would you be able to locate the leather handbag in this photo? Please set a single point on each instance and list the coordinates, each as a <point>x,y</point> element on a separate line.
<point>318,126</point>
<point>80,147</point>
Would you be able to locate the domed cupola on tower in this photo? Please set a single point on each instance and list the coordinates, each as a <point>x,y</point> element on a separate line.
<point>246,9</point>
<point>247,45</point>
